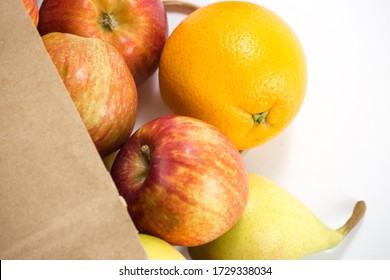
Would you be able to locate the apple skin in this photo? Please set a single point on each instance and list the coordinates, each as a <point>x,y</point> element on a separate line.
<point>100,85</point>
<point>182,179</point>
<point>137,28</point>
<point>32,10</point>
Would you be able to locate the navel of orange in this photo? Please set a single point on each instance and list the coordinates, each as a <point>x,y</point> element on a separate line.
<point>238,66</point>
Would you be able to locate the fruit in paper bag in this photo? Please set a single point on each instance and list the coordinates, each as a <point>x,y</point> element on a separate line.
<point>137,28</point>
<point>32,10</point>
<point>100,85</point>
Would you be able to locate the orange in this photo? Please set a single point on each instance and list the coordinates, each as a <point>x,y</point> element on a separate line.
<point>237,66</point>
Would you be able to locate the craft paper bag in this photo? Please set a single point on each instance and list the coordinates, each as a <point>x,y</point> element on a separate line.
<point>57,200</point>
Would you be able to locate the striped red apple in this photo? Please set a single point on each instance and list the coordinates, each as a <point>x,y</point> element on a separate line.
<point>32,10</point>
<point>182,179</point>
<point>137,28</point>
<point>100,85</point>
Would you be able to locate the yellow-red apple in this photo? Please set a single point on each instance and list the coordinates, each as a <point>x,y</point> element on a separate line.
<point>32,10</point>
<point>100,85</point>
<point>137,28</point>
<point>182,179</point>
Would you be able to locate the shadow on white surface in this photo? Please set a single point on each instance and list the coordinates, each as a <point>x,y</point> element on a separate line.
<point>270,159</point>
<point>150,104</point>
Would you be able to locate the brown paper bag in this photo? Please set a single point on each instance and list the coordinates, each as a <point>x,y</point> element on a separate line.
<point>57,201</point>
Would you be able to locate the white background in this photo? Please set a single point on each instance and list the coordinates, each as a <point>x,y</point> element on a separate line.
<point>337,149</point>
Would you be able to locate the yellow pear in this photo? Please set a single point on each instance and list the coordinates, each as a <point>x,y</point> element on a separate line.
<point>275,225</point>
<point>158,249</point>
<point>109,160</point>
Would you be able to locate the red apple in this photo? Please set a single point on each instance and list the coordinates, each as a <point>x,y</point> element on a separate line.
<point>182,179</point>
<point>32,10</point>
<point>137,28</point>
<point>100,85</point>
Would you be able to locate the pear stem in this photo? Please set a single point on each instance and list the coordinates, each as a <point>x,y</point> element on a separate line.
<point>358,212</point>
<point>180,6</point>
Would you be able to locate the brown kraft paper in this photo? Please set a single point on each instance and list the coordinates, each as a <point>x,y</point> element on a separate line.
<point>57,200</point>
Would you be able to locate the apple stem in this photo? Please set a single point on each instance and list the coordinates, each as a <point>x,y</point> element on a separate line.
<point>145,151</point>
<point>180,5</point>
<point>108,21</point>
<point>358,212</point>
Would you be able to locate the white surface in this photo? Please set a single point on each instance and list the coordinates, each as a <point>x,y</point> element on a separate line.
<point>337,149</point>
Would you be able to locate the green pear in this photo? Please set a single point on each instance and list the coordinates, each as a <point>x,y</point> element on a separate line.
<point>275,225</point>
<point>158,249</point>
